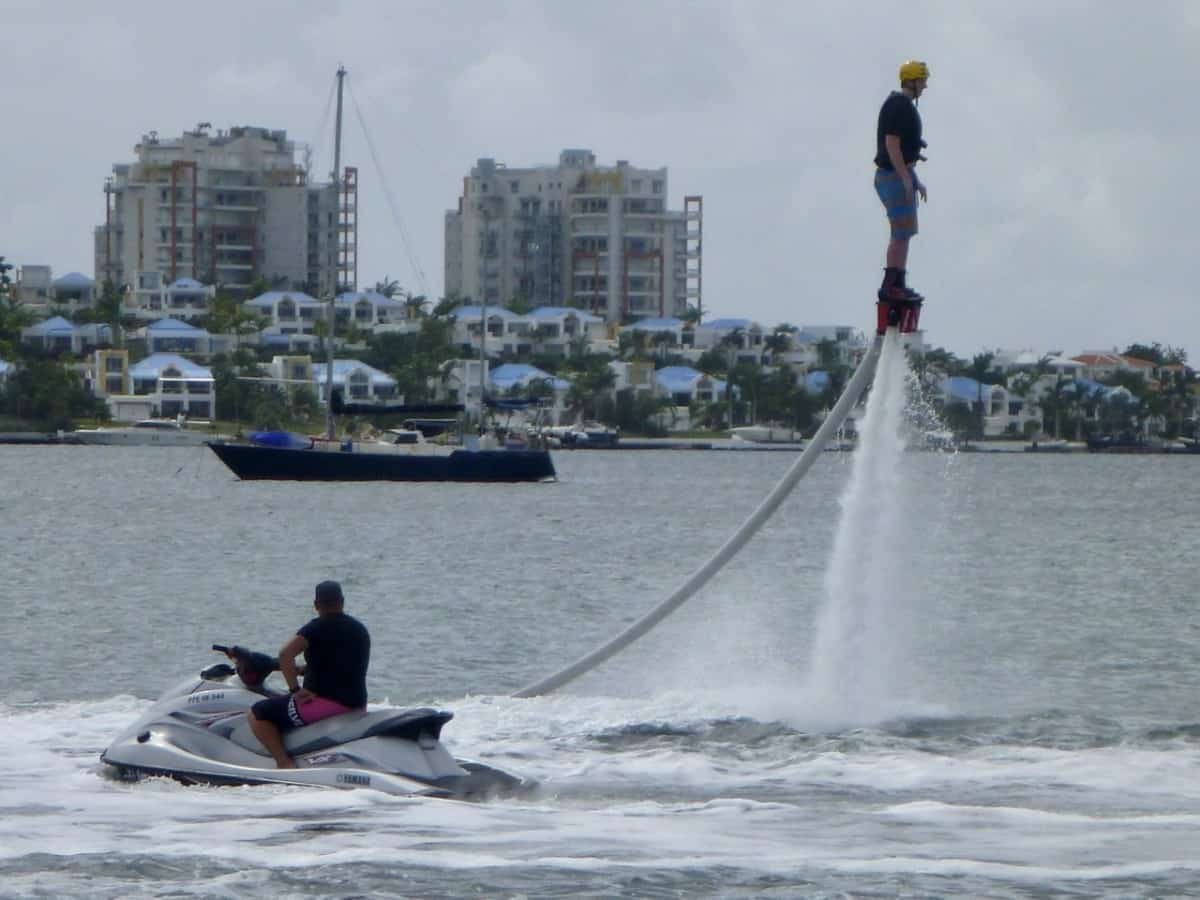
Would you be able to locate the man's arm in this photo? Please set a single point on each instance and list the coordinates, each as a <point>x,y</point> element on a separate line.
<point>287,660</point>
<point>891,143</point>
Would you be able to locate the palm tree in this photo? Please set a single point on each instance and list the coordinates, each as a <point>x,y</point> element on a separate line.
<point>414,306</point>
<point>779,341</point>
<point>981,367</point>
<point>14,317</point>
<point>587,386</point>
<point>662,340</point>
<point>389,287</point>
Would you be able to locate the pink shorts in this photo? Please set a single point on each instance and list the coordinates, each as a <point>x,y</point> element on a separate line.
<point>319,708</point>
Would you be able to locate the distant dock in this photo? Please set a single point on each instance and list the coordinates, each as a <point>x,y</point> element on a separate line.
<point>37,437</point>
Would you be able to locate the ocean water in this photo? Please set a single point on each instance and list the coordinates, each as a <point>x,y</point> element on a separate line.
<point>936,675</point>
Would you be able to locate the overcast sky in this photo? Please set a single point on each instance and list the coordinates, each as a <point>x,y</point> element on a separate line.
<point>1063,138</point>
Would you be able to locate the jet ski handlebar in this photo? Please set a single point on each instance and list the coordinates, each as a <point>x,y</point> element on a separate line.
<point>252,667</point>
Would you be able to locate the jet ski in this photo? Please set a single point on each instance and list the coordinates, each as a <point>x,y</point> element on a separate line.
<point>197,733</point>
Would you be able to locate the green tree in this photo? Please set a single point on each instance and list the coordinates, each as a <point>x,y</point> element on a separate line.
<point>14,317</point>
<point>981,371</point>
<point>48,393</point>
<point>389,287</point>
<point>591,381</point>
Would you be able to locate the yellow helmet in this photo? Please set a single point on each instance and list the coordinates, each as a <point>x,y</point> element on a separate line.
<point>912,70</point>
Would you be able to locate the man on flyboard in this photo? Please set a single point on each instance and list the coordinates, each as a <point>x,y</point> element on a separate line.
<point>898,147</point>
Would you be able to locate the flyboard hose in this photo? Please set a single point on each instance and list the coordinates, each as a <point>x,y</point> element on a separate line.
<point>833,421</point>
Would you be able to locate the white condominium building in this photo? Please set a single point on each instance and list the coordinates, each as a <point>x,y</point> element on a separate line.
<point>227,209</point>
<point>574,234</point>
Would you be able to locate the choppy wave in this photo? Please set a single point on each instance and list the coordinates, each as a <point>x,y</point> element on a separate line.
<point>663,795</point>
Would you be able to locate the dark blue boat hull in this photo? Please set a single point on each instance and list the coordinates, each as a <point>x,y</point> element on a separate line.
<point>251,462</point>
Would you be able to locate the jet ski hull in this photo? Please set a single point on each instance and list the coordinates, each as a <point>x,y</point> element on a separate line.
<point>198,734</point>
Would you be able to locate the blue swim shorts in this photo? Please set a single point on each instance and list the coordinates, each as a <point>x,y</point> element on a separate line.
<point>901,212</point>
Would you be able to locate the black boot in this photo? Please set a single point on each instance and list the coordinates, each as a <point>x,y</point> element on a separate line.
<point>913,296</point>
<point>892,290</point>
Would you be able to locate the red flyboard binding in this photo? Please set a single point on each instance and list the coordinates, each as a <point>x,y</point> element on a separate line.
<point>902,314</point>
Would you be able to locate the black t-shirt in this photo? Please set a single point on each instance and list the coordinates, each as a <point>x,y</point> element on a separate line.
<point>339,650</point>
<point>898,116</point>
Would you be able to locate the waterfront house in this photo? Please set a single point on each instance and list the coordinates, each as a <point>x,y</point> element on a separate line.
<point>682,386</point>
<point>669,332</point>
<point>170,385</point>
<point>519,379</point>
<point>1099,365</point>
<point>289,317</point>
<point>467,330</point>
<point>173,336</point>
<point>57,335</point>
<point>184,298</point>
<point>356,381</point>
<point>73,292</point>
<point>554,328</point>
<point>367,309</point>
<point>1004,413</point>
<point>741,338</point>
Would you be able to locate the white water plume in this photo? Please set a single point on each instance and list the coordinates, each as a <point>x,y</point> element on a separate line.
<point>860,652</point>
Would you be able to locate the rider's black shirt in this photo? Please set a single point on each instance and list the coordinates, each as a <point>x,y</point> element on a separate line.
<point>898,116</point>
<point>339,650</point>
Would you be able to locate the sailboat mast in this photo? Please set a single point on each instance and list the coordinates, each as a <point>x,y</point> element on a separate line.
<point>337,236</point>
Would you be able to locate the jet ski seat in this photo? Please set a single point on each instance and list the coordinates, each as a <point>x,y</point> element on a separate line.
<point>420,724</point>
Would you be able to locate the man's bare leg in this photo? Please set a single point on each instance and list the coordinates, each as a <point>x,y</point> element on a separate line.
<point>268,734</point>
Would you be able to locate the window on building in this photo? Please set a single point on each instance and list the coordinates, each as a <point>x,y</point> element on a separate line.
<point>657,186</point>
<point>637,185</point>
<point>514,187</point>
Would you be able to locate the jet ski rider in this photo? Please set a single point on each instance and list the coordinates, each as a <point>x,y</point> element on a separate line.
<point>337,650</point>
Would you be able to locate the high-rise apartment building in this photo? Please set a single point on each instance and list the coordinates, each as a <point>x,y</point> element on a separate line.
<point>576,234</point>
<point>227,209</point>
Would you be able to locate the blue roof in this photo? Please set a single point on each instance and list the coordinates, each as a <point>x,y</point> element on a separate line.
<point>557,312</point>
<point>343,367</point>
<point>53,325</point>
<point>816,382</point>
<point>270,298</point>
<point>1087,387</point>
<point>73,279</point>
<point>349,298</point>
<point>473,312</point>
<point>960,387</point>
<point>511,375</point>
<point>727,324</point>
<point>185,284</point>
<point>174,326</point>
<point>155,363</point>
<point>681,379</point>
<point>669,324</point>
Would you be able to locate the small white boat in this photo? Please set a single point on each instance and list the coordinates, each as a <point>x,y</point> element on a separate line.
<point>765,434</point>
<point>145,433</point>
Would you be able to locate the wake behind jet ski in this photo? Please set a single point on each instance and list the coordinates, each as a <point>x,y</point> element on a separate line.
<point>197,733</point>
